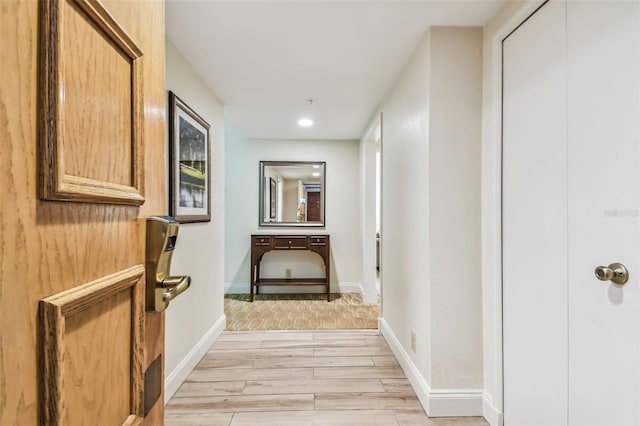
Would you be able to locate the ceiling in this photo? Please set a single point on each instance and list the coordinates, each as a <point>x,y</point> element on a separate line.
<point>265,59</point>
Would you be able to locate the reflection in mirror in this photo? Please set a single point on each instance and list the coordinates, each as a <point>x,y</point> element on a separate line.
<point>292,193</point>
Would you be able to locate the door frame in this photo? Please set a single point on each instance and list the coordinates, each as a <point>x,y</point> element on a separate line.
<point>507,20</point>
<point>368,213</point>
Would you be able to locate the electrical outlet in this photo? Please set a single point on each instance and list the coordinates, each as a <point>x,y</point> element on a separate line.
<point>287,273</point>
<point>413,341</point>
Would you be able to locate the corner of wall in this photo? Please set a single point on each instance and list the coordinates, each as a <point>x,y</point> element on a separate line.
<point>436,402</point>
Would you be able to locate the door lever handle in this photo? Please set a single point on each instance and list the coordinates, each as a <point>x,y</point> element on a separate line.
<point>174,286</point>
<point>168,289</point>
<point>616,272</point>
<point>170,282</point>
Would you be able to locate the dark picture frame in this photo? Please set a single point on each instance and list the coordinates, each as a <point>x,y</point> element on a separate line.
<point>273,191</point>
<point>189,163</point>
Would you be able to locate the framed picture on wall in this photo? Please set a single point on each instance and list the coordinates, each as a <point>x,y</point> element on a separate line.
<point>189,163</point>
<point>273,191</point>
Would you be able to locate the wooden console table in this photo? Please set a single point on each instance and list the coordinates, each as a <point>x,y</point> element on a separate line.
<point>263,243</point>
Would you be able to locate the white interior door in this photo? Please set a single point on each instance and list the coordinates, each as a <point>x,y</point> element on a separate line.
<point>570,203</point>
<point>535,221</point>
<point>603,140</point>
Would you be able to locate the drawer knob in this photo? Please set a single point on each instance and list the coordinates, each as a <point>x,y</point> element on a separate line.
<point>289,241</point>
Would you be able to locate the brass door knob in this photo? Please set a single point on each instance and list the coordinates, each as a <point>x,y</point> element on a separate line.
<point>616,272</point>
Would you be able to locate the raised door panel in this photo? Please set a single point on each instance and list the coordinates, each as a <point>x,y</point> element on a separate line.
<point>92,337</point>
<point>97,111</point>
<point>91,105</point>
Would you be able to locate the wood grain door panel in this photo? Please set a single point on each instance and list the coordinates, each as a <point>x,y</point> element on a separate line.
<point>91,105</point>
<point>90,335</point>
<point>49,248</point>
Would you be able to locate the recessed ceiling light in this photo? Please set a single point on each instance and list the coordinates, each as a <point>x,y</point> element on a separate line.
<point>315,174</point>
<point>305,122</point>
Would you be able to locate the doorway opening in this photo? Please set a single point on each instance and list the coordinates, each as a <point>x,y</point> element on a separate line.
<point>378,202</point>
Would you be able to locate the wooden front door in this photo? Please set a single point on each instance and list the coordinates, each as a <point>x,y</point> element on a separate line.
<point>313,207</point>
<point>82,125</point>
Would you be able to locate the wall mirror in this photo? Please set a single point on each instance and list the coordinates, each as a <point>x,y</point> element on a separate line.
<point>292,193</point>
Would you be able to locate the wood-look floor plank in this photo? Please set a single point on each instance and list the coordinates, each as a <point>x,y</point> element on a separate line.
<point>313,386</point>
<point>361,351</point>
<point>316,418</point>
<point>332,335</point>
<point>234,374</point>
<point>259,353</point>
<point>413,418</point>
<point>327,343</point>
<point>222,362</point>
<point>211,388</point>
<point>237,344</point>
<point>358,373</point>
<point>419,418</point>
<point>208,404</point>
<point>199,419</point>
<point>459,421</point>
<point>311,361</point>
<point>385,361</point>
<point>365,400</point>
<point>397,385</point>
<point>264,335</point>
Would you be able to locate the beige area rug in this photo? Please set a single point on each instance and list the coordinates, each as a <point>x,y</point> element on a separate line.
<point>345,311</point>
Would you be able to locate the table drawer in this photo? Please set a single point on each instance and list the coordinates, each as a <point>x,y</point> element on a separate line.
<point>318,240</point>
<point>290,242</point>
<point>261,241</point>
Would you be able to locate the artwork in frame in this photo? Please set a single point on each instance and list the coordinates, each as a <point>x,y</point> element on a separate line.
<point>189,163</point>
<point>272,198</point>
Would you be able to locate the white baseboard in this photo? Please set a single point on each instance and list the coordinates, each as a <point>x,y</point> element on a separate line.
<point>490,412</point>
<point>175,378</point>
<point>436,402</point>
<point>347,287</point>
<point>343,287</point>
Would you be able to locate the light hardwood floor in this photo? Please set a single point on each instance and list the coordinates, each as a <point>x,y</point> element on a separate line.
<point>300,378</point>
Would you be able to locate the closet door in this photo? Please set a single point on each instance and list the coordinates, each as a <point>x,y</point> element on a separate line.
<point>571,136</point>
<point>603,140</point>
<point>535,221</point>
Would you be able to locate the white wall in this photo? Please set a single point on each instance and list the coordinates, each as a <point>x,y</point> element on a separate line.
<point>405,209</point>
<point>196,318</point>
<point>342,214</point>
<point>430,221</point>
<point>454,207</point>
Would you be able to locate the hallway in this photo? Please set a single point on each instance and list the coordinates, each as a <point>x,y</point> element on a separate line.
<point>300,378</point>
